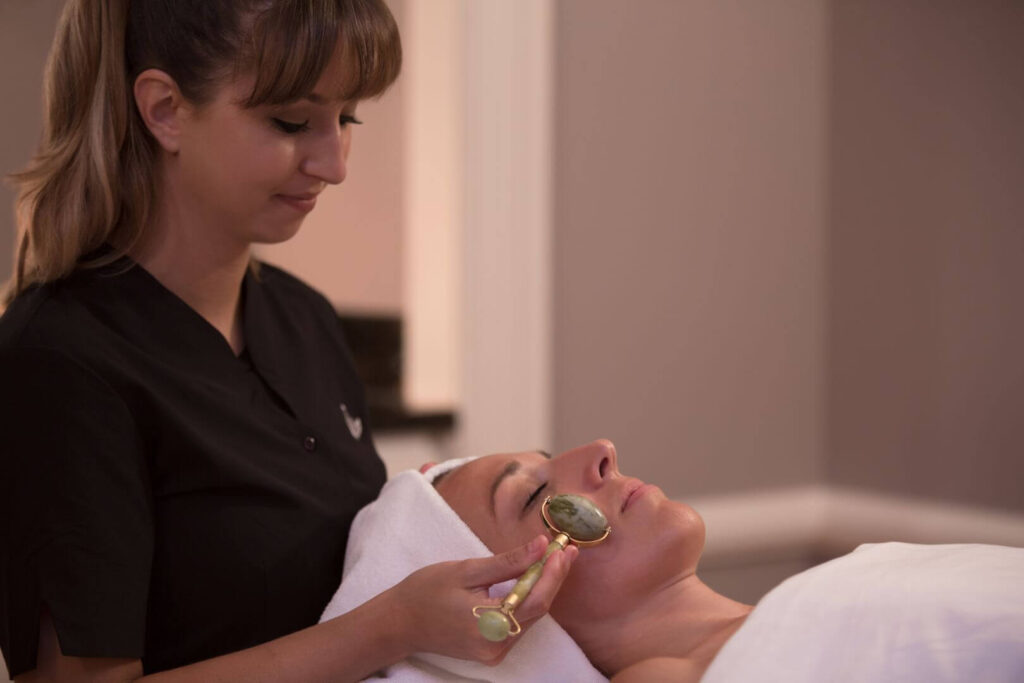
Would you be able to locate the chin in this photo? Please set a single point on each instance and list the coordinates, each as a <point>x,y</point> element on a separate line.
<point>690,533</point>
<point>673,550</point>
<point>276,234</point>
<point>633,569</point>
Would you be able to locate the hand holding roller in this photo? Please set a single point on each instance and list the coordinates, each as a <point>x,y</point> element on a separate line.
<point>572,519</point>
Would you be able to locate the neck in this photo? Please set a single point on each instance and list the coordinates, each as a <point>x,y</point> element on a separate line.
<point>684,620</point>
<point>180,251</point>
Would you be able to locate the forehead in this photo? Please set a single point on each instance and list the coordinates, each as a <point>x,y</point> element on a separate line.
<point>469,489</point>
<point>477,475</point>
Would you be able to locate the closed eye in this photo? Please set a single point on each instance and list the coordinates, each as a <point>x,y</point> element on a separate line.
<point>294,127</point>
<point>533,496</point>
<point>290,127</point>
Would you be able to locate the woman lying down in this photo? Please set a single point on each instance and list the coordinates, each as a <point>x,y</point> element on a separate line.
<point>633,608</point>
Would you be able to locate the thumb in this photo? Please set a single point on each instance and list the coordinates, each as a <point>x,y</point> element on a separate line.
<point>486,571</point>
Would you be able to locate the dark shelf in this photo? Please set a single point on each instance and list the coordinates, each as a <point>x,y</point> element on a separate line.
<point>376,345</point>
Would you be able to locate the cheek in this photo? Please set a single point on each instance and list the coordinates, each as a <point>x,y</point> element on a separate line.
<point>669,547</point>
<point>502,539</point>
<point>247,159</point>
<point>266,165</point>
<point>610,579</point>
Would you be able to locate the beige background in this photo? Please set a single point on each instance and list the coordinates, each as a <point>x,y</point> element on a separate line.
<point>789,243</point>
<point>689,242</point>
<point>26,29</point>
<point>926,250</point>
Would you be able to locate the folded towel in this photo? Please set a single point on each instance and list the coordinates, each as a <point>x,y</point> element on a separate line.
<point>410,526</point>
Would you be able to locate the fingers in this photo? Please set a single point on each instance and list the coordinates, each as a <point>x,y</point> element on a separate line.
<point>486,571</point>
<point>444,594</point>
<point>536,605</point>
<point>556,569</point>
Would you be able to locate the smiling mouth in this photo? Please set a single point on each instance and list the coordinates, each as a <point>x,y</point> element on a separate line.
<point>304,202</point>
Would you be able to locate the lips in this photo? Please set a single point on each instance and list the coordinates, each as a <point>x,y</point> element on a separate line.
<point>303,202</point>
<point>629,490</point>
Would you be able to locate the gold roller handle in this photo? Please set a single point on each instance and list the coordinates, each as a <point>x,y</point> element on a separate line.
<point>498,623</point>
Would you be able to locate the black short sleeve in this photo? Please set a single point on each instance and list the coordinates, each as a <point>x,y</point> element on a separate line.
<point>77,517</point>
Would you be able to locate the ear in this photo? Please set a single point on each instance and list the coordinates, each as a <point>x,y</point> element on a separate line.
<point>161,106</point>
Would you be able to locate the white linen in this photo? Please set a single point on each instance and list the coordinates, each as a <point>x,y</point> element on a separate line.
<point>888,612</point>
<point>410,526</point>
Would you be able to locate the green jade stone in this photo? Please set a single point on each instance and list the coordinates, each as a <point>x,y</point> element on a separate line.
<point>494,626</point>
<point>577,516</point>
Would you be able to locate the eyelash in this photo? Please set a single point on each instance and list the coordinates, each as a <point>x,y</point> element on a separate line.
<point>533,496</point>
<point>292,128</point>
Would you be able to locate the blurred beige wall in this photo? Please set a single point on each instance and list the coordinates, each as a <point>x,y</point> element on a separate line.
<point>690,225</point>
<point>926,249</point>
<point>26,30</point>
<point>789,243</point>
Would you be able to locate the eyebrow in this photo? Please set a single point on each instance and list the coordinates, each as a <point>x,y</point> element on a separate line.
<point>506,472</point>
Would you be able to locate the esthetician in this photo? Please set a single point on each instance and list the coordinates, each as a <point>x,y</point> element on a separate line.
<point>184,440</point>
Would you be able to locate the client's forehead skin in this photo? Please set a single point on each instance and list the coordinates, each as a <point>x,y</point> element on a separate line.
<point>474,480</point>
<point>468,491</point>
<point>480,477</point>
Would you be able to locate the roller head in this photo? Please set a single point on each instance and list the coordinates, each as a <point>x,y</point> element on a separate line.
<point>576,517</point>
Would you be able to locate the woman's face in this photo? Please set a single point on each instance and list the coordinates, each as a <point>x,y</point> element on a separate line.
<point>653,540</point>
<point>254,174</point>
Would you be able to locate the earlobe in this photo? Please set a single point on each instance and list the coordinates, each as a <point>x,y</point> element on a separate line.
<point>161,107</point>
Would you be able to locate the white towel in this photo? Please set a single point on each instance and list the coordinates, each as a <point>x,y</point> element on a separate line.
<point>888,612</point>
<point>410,526</point>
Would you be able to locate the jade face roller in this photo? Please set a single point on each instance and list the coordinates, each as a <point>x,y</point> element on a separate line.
<point>572,519</point>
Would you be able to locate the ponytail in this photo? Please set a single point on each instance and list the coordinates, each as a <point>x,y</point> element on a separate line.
<point>91,180</point>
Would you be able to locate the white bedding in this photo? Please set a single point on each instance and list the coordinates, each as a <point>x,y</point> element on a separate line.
<point>888,612</point>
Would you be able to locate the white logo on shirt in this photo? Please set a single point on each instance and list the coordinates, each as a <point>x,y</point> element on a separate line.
<point>355,424</point>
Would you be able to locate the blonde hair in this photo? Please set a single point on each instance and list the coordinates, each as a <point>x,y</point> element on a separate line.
<point>93,178</point>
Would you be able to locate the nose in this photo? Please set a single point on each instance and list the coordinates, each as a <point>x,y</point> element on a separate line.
<point>591,464</point>
<point>327,159</point>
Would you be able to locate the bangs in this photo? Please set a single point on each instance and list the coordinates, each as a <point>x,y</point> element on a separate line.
<point>294,41</point>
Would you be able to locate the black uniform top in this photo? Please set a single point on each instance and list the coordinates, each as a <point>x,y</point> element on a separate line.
<point>163,498</point>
